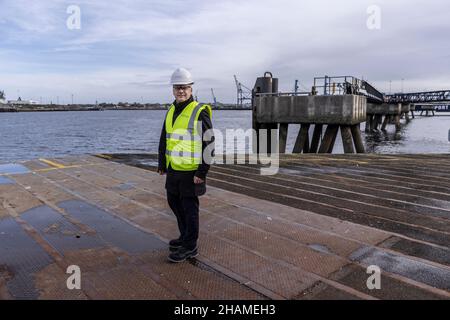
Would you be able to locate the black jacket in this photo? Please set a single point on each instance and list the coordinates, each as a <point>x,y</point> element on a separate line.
<point>206,125</point>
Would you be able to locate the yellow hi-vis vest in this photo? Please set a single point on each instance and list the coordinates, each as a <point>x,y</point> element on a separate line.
<point>183,142</point>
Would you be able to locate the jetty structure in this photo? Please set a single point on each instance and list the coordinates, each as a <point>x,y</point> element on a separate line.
<point>338,103</point>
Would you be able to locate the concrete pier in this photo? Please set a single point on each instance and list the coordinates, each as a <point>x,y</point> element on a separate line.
<point>273,110</point>
<point>392,114</point>
<point>412,108</point>
<point>309,232</point>
<point>339,110</point>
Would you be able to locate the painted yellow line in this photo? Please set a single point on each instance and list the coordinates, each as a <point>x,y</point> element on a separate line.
<point>105,156</point>
<point>55,168</point>
<point>68,167</point>
<point>50,169</point>
<point>53,164</point>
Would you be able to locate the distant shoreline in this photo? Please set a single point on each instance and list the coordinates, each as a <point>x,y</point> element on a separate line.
<point>61,108</point>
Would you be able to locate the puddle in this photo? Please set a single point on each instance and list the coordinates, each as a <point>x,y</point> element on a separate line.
<point>320,248</point>
<point>112,229</point>
<point>125,186</point>
<point>59,231</point>
<point>5,180</point>
<point>13,168</point>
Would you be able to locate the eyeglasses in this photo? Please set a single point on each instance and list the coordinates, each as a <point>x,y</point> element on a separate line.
<point>181,88</point>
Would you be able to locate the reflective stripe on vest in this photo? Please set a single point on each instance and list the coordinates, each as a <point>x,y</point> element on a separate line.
<point>192,118</point>
<point>183,154</point>
<point>183,137</point>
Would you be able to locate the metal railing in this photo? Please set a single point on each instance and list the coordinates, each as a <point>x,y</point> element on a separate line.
<point>339,85</point>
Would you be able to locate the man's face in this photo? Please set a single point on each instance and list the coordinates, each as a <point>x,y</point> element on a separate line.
<point>182,92</point>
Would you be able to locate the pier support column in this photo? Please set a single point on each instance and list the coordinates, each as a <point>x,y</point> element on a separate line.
<point>283,133</point>
<point>268,137</point>
<point>255,140</point>
<point>329,138</point>
<point>270,127</point>
<point>407,117</point>
<point>302,138</point>
<point>378,120</point>
<point>397,122</point>
<point>330,149</point>
<point>316,138</point>
<point>306,145</point>
<point>357,139</point>
<point>385,122</point>
<point>391,119</point>
<point>347,141</point>
<point>368,123</point>
<point>372,123</point>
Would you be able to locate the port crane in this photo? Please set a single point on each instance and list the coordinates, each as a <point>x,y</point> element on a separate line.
<point>243,93</point>
<point>214,97</point>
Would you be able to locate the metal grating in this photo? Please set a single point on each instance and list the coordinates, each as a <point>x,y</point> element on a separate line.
<point>22,257</point>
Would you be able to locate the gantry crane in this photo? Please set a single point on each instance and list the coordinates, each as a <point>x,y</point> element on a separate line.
<point>243,93</point>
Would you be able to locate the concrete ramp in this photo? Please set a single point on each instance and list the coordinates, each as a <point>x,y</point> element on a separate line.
<point>309,232</point>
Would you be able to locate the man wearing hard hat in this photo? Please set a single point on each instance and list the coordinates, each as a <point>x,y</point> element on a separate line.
<point>181,149</point>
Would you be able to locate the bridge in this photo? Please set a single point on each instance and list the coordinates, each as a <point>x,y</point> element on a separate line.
<point>432,108</point>
<point>419,97</point>
<point>427,101</point>
<point>337,85</point>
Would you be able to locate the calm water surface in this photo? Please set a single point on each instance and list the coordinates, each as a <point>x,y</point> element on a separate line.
<point>55,134</point>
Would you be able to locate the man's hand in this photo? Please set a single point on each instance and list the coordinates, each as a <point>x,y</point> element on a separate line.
<point>161,172</point>
<point>197,180</point>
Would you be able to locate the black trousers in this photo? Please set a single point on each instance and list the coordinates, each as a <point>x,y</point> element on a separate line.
<point>182,196</point>
<point>186,211</point>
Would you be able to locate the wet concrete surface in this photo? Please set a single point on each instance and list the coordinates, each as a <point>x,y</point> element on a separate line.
<point>59,232</point>
<point>4,180</point>
<point>438,277</point>
<point>280,237</point>
<point>21,258</point>
<point>111,229</point>
<point>412,248</point>
<point>320,248</point>
<point>13,168</point>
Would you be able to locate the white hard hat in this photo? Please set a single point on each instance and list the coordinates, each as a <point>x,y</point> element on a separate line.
<point>181,76</point>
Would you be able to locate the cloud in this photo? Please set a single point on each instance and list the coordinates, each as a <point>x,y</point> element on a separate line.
<point>127,49</point>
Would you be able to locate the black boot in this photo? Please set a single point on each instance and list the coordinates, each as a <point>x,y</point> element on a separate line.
<point>175,244</point>
<point>182,254</point>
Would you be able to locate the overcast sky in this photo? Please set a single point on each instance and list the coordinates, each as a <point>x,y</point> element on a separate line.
<point>126,50</point>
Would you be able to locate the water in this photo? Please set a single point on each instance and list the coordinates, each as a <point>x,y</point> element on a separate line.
<point>56,134</point>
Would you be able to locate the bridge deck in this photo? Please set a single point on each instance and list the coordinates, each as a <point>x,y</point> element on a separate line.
<point>307,233</point>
